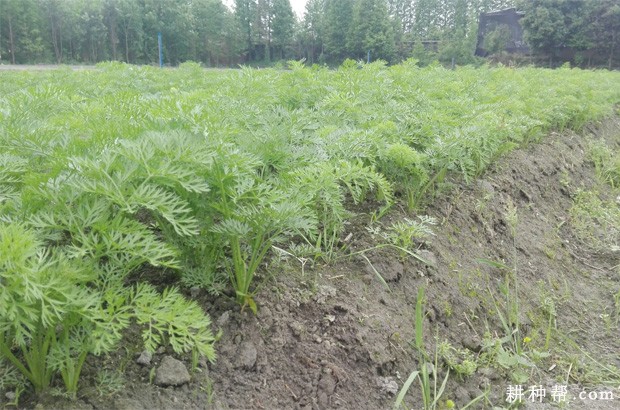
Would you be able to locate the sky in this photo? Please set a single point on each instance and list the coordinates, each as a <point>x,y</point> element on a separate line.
<point>298,7</point>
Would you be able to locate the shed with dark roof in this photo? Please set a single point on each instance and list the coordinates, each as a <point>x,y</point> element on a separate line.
<point>500,30</point>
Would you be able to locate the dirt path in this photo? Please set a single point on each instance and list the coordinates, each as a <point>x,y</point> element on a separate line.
<point>336,337</point>
<point>43,67</point>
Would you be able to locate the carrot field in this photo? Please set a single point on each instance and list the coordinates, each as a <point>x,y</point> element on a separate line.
<point>123,187</point>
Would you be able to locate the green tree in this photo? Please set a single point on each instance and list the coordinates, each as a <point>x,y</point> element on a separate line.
<point>87,33</point>
<point>605,30</point>
<point>495,41</point>
<point>424,56</point>
<point>110,18</point>
<point>131,30</point>
<point>371,31</point>
<point>338,17</point>
<point>282,26</point>
<point>263,19</point>
<point>425,26</point>
<point>212,19</point>
<point>332,30</point>
<point>313,29</point>
<point>404,12</point>
<point>7,22</point>
<point>553,24</point>
<point>245,10</point>
<point>174,20</point>
<point>21,35</point>
<point>55,16</point>
<point>459,35</point>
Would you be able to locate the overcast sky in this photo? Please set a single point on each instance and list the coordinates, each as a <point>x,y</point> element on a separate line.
<point>299,6</point>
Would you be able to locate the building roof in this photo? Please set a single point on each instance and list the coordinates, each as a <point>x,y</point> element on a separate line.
<point>503,12</point>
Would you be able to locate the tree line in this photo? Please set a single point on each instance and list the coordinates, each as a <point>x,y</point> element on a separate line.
<point>218,33</point>
<point>585,32</point>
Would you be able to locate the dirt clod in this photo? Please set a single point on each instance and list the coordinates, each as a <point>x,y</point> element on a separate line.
<point>428,256</point>
<point>486,187</point>
<point>387,385</point>
<point>327,384</point>
<point>203,363</point>
<point>171,372</point>
<point>298,329</point>
<point>145,358</point>
<point>194,291</point>
<point>125,403</point>
<point>489,373</point>
<point>323,400</point>
<point>223,319</point>
<point>462,395</point>
<point>265,316</point>
<point>324,293</point>
<point>390,270</point>
<point>472,343</point>
<point>247,355</point>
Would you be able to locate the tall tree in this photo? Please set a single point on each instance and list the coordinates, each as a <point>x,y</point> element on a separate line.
<point>338,17</point>
<point>554,24</point>
<point>605,30</point>
<point>245,11</point>
<point>212,20</point>
<point>262,29</point>
<point>425,25</point>
<point>282,26</point>
<point>130,14</point>
<point>587,29</point>
<point>110,17</point>
<point>9,14</point>
<point>404,12</point>
<point>371,31</point>
<point>313,29</point>
<point>21,33</point>
<point>173,19</point>
<point>459,36</point>
<point>55,17</point>
<point>89,43</point>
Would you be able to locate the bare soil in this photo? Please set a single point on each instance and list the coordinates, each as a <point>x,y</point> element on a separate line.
<point>333,336</point>
<point>42,67</point>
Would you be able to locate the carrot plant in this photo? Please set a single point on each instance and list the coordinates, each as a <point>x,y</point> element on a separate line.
<point>606,162</point>
<point>254,229</point>
<point>66,255</point>
<point>406,167</point>
<point>328,186</point>
<point>47,310</point>
<point>52,318</point>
